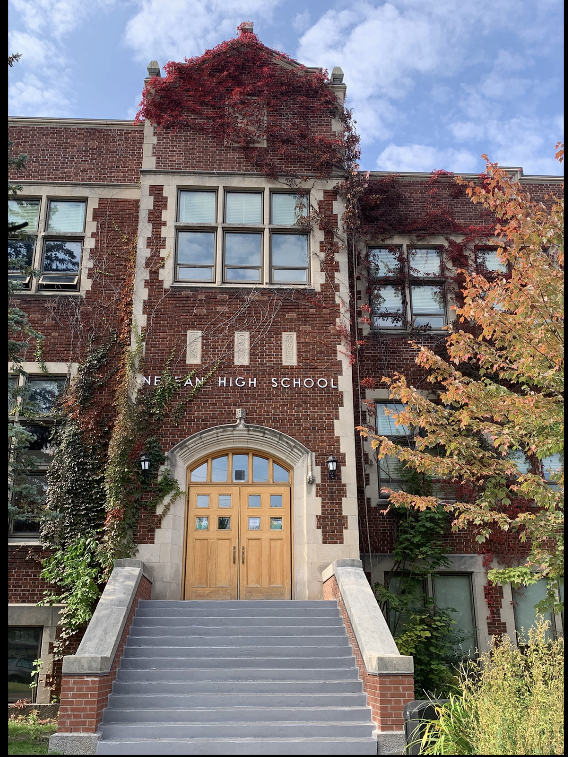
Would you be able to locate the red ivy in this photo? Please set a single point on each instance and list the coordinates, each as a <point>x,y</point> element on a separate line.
<point>242,92</point>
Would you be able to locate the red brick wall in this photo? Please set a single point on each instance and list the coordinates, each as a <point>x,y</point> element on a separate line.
<point>111,155</point>
<point>305,414</point>
<point>386,694</point>
<point>83,698</point>
<point>24,567</point>
<point>68,322</point>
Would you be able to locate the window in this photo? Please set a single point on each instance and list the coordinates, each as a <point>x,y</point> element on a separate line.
<point>488,260</point>
<point>245,247</point>
<point>407,287</point>
<point>451,592</point>
<point>32,406</point>
<point>553,469</point>
<point>390,474</point>
<point>24,646</point>
<point>524,600</point>
<point>454,591</point>
<point>50,245</point>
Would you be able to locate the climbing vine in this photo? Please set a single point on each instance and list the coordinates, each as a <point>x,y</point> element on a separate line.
<point>243,94</point>
<point>420,628</point>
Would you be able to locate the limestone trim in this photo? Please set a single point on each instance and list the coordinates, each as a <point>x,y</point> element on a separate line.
<point>85,123</point>
<point>378,649</point>
<point>97,650</point>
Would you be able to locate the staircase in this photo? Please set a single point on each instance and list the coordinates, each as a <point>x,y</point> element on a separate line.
<point>238,678</point>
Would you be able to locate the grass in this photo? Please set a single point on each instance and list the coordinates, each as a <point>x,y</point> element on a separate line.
<point>27,734</point>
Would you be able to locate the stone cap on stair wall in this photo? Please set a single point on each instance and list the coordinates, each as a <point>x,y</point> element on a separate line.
<point>378,649</point>
<point>97,649</point>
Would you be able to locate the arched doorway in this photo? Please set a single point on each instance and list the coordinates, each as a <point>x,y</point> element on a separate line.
<point>238,527</point>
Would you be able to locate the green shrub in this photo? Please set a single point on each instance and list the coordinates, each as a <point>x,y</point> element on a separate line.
<point>511,702</point>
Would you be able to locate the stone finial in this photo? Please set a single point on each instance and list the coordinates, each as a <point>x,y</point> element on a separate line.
<point>246,26</point>
<point>241,415</point>
<point>154,68</point>
<point>337,75</point>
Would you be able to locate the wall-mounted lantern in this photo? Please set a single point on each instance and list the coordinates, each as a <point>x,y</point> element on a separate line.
<point>331,463</point>
<point>144,462</point>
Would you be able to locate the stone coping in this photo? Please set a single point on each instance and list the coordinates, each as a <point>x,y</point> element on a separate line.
<point>377,646</point>
<point>97,649</point>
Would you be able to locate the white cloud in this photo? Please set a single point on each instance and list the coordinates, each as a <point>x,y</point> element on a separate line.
<point>35,51</point>
<point>386,49</point>
<point>301,21</point>
<point>56,17</point>
<point>181,29</point>
<point>526,142</point>
<point>414,157</point>
<point>32,97</point>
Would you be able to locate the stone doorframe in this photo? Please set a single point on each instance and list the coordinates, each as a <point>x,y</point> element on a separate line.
<point>166,556</point>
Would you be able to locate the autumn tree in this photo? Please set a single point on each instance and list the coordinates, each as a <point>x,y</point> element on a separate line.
<point>492,425</point>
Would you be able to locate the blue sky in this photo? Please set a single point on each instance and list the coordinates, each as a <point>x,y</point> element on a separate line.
<point>433,84</point>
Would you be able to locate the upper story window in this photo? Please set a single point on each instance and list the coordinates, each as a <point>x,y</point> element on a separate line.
<point>50,245</point>
<point>488,260</point>
<point>390,471</point>
<point>232,238</point>
<point>553,469</point>
<point>407,287</point>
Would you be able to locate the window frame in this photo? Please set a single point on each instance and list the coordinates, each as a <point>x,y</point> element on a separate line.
<point>41,236</point>
<point>481,268</point>
<point>427,583</point>
<point>404,438</point>
<point>38,467</point>
<point>221,228</point>
<point>406,280</point>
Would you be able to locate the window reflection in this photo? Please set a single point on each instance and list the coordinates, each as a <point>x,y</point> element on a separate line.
<point>199,475</point>
<point>260,469</point>
<point>240,467</point>
<point>279,474</point>
<point>219,468</point>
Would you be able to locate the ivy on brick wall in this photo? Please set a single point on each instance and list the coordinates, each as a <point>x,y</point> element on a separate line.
<point>246,95</point>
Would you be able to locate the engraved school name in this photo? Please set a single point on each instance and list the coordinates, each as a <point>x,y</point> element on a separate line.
<point>286,382</point>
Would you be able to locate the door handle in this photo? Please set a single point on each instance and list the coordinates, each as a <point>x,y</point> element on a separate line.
<point>234,555</point>
<point>243,555</point>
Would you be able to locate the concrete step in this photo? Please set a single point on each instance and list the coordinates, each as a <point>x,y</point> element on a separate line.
<point>243,746</point>
<point>142,688</point>
<point>246,629</point>
<point>212,610</point>
<point>237,678</point>
<point>135,672</point>
<point>239,604</point>
<point>321,622</point>
<point>257,653</point>
<point>139,662</point>
<point>251,641</point>
<point>165,702</point>
<point>273,730</point>
<point>225,714</point>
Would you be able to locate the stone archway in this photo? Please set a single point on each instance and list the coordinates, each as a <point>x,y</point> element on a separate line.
<point>165,557</point>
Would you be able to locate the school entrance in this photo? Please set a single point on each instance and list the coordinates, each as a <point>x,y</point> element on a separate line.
<point>238,528</point>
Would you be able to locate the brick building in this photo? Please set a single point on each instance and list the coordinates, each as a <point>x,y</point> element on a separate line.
<point>259,309</point>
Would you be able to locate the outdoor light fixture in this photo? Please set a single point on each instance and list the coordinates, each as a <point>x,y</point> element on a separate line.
<point>144,463</point>
<point>331,463</point>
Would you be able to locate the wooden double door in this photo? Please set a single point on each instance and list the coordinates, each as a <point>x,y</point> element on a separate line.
<point>238,543</point>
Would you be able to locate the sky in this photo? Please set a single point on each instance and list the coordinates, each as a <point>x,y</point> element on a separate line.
<point>433,84</point>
